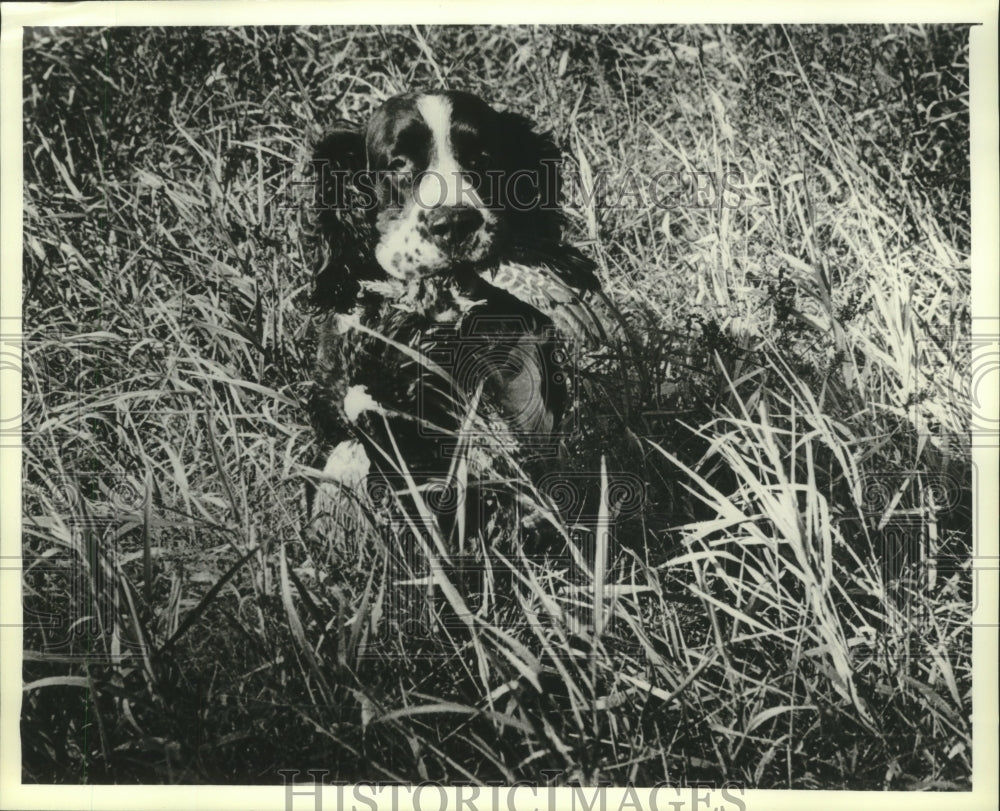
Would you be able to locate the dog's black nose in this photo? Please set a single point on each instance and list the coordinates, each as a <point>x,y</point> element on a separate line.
<point>453,225</point>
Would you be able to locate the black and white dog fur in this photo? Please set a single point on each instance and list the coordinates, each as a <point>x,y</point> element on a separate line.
<point>444,284</point>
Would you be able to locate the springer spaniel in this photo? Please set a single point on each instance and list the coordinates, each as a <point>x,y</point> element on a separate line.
<point>445,287</point>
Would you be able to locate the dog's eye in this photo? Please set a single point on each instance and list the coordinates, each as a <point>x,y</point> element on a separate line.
<point>398,165</point>
<point>478,160</point>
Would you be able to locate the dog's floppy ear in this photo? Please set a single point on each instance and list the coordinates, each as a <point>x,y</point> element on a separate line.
<point>342,205</point>
<point>532,200</point>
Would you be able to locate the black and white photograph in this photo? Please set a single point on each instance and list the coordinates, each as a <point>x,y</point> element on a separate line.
<point>447,406</point>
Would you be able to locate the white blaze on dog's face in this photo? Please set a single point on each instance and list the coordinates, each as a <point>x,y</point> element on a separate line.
<point>431,155</point>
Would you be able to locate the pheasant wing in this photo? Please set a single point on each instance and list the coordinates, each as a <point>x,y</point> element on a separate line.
<point>576,312</point>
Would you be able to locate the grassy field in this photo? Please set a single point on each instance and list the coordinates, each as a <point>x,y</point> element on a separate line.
<point>792,396</point>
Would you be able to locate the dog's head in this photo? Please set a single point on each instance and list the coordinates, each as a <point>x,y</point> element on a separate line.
<point>436,183</point>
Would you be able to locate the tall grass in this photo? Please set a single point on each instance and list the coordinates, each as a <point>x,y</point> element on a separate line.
<point>791,392</point>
